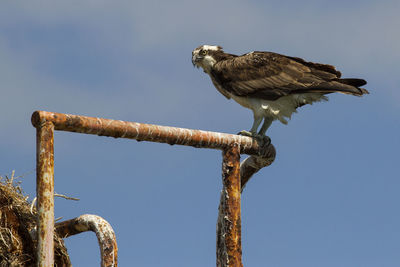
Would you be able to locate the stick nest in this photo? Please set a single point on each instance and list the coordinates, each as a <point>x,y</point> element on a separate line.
<point>18,229</point>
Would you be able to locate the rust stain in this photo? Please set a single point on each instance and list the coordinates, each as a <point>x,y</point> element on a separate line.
<point>146,132</point>
<point>229,243</point>
<point>45,192</point>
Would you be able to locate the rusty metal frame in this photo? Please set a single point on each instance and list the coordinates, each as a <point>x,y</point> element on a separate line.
<point>229,222</point>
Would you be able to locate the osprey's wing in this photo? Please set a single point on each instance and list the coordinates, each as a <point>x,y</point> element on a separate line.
<point>269,76</point>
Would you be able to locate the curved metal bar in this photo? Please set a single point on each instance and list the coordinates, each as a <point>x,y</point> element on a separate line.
<point>104,232</point>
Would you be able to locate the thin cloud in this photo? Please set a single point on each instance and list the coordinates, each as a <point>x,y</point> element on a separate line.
<point>362,41</point>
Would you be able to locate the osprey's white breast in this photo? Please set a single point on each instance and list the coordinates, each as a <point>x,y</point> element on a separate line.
<point>280,109</point>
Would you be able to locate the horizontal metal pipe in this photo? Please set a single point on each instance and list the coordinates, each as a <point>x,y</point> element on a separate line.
<point>148,132</point>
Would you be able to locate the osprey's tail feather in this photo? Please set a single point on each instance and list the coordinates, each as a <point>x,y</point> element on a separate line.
<point>353,81</point>
<point>356,83</point>
<point>344,86</point>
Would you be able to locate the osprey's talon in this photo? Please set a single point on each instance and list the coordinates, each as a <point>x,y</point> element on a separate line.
<point>263,139</point>
<point>246,133</point>
<point>266,141</point>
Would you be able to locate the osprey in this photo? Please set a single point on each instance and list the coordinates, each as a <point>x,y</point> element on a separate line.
<point>273,86</point>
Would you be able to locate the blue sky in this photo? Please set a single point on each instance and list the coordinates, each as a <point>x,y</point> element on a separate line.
<point>330,198</point>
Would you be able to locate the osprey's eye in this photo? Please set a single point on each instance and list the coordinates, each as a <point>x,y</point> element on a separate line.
<point>203,52</point>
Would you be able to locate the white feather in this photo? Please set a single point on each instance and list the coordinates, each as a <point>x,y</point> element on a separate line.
<point>210,47</point>
<point>280,109</point>
<point>207,63</point>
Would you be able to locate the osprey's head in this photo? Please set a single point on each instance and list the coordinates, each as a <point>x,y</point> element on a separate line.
<point>205,56</point>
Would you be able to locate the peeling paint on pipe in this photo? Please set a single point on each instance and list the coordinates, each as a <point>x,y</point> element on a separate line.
<point>229,240</point>
<point>146,132</point>
<point>104,232</point>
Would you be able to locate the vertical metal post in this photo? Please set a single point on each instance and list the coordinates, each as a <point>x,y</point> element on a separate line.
<point>45,193</point>
<point>229,248</point>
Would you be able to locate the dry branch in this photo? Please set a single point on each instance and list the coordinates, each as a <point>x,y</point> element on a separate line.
<point>17,229</point>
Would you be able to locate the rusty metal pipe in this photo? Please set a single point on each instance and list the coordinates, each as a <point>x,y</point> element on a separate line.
<point>229,240</point>
<point>146,132</point>
<point>104,232</point>
<point>248,168</point>
<point>45,192</point>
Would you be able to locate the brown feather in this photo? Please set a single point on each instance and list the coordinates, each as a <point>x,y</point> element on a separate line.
<point>270,76</point>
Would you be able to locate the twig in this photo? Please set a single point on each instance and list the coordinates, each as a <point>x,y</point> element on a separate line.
<point>66,197</point>
<point>56,195</point>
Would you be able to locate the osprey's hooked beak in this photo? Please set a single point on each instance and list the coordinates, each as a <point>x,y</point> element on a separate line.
<point>196,58</point>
